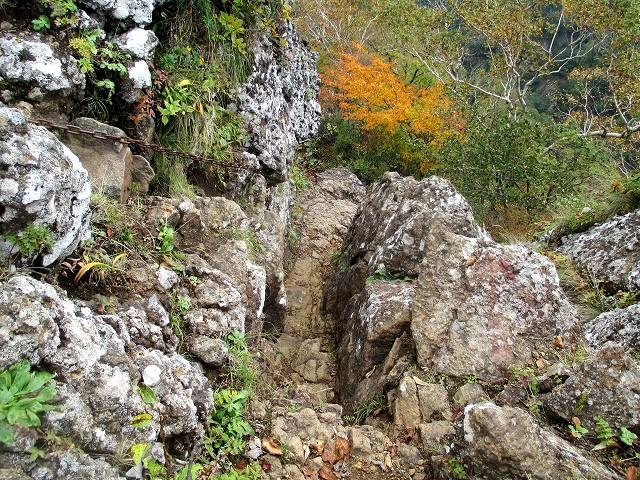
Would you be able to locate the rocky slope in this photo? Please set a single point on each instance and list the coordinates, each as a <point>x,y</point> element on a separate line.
<point>394,339</point>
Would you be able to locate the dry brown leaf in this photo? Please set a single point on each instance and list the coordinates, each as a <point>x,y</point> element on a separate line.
<point>558,341</point>
<point>541,363</point>
<point>471,260</point>
<point>329,456</point>
<point>326,473</point>
<point>342,448</point>
<point>270,445</point>
<point>632,473</point>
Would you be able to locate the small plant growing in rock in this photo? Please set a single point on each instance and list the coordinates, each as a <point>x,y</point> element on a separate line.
<point>627,437</point>
<point>166,239</point>
<point>24,395</point>
<point>43,22</point>
<point>241,370</point>
<point>455,468</point>
<point>227,427</point>
<point>34,239</point>
<point>381,275</point>
<point>604,433</point>
<point>576,429</point>
<point>180,305</point>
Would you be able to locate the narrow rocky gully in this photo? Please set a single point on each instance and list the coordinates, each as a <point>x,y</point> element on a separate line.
<point>312,435</point>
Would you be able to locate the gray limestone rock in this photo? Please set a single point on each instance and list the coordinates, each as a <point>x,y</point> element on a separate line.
<point>481,307</point>
<point>278,100</point>
<point>606,385</point>
<point>505,442</point>
<point>138,42</point>
<point>621,326</point>
<point>43,182</point>
<point>609,252</point>
<point>36,60</point>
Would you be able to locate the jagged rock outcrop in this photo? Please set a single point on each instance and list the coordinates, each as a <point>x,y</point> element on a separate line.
<point>505,442</point>
<point>41,182</point>
<point>98,371</point>
<point>418,274</point>
<point>621,326</point>
<point>606,385</point>
<point>609,253</point>
<point>38,63</point>
<point>278,101</point>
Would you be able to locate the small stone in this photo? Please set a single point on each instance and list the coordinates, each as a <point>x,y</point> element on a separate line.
<point>140,43</point>
<point>212,351</point>
<point>151,375</point>
<point>469,393</point>
<point>167,278</point>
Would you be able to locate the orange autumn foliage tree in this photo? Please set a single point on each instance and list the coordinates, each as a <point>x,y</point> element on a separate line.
<point>369,91</point>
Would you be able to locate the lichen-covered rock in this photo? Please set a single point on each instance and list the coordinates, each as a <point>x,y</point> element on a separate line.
<point>609,252</point>
<point>621,326</point>
<point>140,43</point>
<point>606,385</point>
<point>138,12</point>
<point>481,307</point>
<point>371,323</point>
<point>505,442</point>
<point>98,372</point>
<point>43,182</point>
<point>278,100</point>
<point>389,232</point>
<point>138,78</point>
<point>36,60</point>
<point>70,465</point>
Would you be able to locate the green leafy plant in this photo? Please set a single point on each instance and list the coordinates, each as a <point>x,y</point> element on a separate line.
<point>180,305</point>
<point>250,472</point>
<point>34,239</point>
<point>24,395</point>
<point>147,394</point>
<point>63,12</point>
<point>381,275</point>
<point>604,433</point>
<point>227,428</point>
<point>43,22</point>
<point>627,437</point>
<point>576,428</point>
<point>166,239</point>
<point>85,48</point>
<point>455,468</point>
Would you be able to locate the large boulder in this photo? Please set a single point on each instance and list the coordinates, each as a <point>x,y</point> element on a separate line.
<point>108,162</point>
<point>606,384</point>
<point>609,253</point>
<point>278,100</point>
<point>505,442</point>
<point>38,62</point>
<point>390,229</point>
<point>481,308</point>
<point>98,373</point>
<point>41,182</point>
<point>417,266</point>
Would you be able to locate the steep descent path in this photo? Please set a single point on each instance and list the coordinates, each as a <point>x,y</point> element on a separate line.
<point>296,411</point>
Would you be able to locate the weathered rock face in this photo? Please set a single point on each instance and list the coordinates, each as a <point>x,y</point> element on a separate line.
<point>505,442</point>
<point>481,307</point>
<point>35,61</point>
<point>390,229</point>
<point>609,252</point>
<point>607,385</point>
<point>417,274</point>
<point>621,326</point>
<point>138,12</point>
<point>98,370</point>
<point>327,209</point>
<point>110,164</point>
<point>42,182</point>
<point>279,102</point>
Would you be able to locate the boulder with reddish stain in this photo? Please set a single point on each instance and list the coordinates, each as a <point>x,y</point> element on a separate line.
<point>481,307</point>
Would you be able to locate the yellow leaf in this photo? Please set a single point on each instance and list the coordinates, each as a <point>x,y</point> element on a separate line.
<point>88,267</point>
<point>184,83</point>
